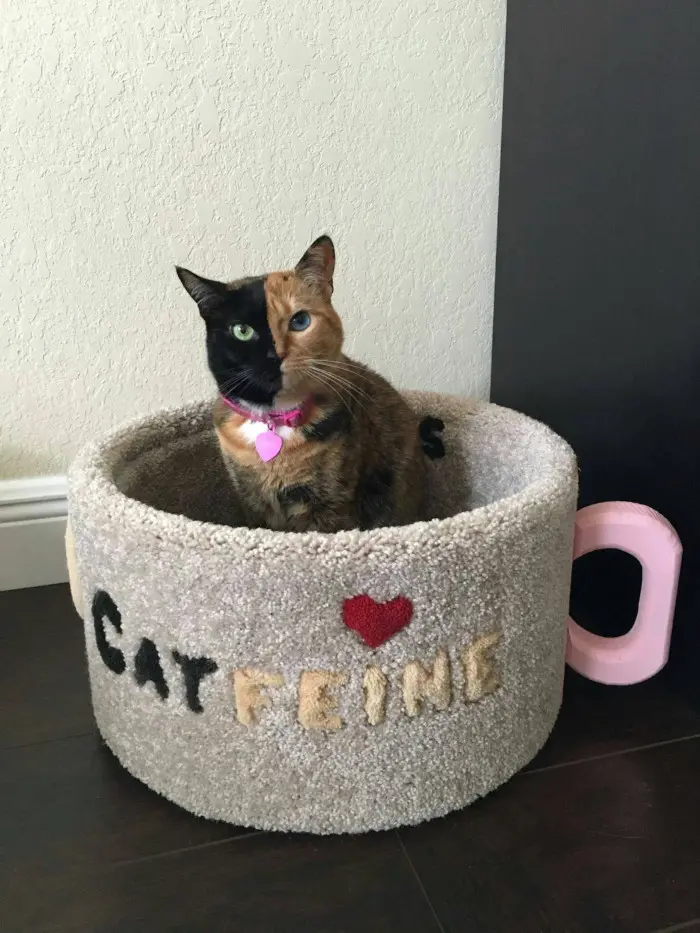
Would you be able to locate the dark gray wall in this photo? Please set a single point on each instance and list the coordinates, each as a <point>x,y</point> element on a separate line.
<point>597,321</point>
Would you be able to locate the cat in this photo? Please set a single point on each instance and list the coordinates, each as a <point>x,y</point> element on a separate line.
<point>311,439</point>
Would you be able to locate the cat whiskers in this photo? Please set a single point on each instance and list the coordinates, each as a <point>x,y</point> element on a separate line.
<point>239,383</point>
<point>304,367</point>
<point>330,368</point>
<point>340,367</point>
<point>332,374</point>
<point>343,388</point>
<point>343,401</point>
<point>341,364</point>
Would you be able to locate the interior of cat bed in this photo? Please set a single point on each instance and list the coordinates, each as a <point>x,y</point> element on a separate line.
<point>315,682</point>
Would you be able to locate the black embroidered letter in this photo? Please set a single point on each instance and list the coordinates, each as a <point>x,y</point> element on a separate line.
<point>103,605</point>
<point>147,667</point>
<point>193,671</point>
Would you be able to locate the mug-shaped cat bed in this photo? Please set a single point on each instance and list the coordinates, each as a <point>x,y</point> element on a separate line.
<point>325,683</point>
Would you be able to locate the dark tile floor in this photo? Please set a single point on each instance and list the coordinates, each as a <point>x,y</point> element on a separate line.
<point>601,833</point>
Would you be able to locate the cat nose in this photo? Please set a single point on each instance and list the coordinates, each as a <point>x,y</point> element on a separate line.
<point>272,354</point>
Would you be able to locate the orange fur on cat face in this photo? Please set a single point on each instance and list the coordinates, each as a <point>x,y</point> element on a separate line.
<point>286,294</point>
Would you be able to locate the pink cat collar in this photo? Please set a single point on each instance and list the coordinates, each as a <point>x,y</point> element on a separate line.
<point>268,444</point>
<point>285,418</point>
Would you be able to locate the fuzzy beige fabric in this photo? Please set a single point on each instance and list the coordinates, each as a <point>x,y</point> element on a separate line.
<point>301,725</point>
<point>421,684</point>
<point>480,675</point>
<point>375,686</point>
<point>249,696</point>
<point>318,699</point>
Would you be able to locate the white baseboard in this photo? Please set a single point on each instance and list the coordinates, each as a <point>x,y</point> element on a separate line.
<point>33,516</point>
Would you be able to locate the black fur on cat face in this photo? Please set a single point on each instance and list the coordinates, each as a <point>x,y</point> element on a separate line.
<point>248,371</point>
<point>254,324</point>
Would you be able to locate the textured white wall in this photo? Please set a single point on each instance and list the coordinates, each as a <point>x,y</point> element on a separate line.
<point>225,135</point>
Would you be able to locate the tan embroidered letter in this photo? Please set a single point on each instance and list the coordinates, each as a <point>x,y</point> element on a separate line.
<point>420,684</point>
<point>317,705</point>
<point>375,695</point>
<point>480,674</point>
<point>247,687</point>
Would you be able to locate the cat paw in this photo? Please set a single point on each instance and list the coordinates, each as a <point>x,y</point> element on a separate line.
<point>432,445</point>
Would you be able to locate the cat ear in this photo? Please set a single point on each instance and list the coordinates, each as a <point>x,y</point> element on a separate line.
<point>317,265</point>
<point>206,292</point>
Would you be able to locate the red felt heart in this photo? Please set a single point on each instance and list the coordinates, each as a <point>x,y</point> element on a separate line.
<point>376,622</point>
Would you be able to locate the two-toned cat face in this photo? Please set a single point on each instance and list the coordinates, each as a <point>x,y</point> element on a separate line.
<point>273,334</point>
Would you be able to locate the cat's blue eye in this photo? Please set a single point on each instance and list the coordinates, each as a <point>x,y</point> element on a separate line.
<point>300,320</point>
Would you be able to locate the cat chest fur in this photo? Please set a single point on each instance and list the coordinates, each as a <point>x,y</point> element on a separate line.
<point>305,486</point>
<point>327,477</point>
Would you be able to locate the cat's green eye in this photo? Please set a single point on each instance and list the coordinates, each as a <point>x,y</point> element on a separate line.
<point>243,332</point>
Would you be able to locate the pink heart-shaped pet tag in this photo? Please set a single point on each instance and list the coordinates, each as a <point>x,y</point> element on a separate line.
<point>268,445</point>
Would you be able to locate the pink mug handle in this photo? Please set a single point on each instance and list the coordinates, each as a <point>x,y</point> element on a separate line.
<point>648,536</point>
